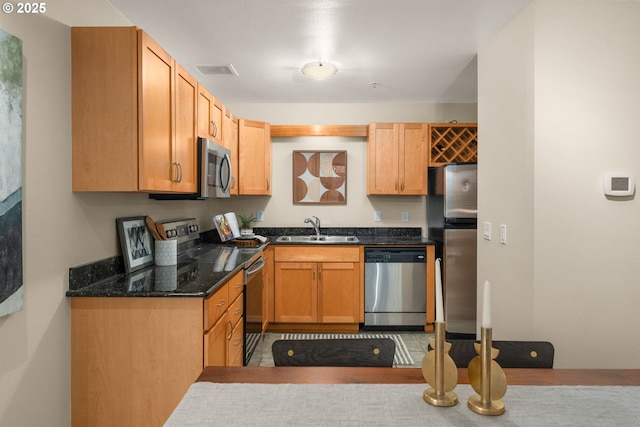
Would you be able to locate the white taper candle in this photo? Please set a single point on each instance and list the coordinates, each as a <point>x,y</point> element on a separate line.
<point>439,303</point>
<point>486,309</point>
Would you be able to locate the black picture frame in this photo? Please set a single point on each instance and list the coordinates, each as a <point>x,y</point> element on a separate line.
<point>136,243</point>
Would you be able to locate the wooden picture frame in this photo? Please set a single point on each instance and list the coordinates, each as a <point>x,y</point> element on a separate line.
<point>136,243</point>
<point>320,177</point>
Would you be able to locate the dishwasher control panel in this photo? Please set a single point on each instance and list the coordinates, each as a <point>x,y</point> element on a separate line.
<point>395,255</point>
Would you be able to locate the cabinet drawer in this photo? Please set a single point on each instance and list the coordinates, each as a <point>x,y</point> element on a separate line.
<point>236,310</point>
<point>215,305</point>
<point>215,343</point>
<point>236,285</point>
<point>301,253</point>
<point>235,344</point>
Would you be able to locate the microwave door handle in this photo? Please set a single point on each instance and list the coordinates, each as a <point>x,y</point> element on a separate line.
<point>226,162</point>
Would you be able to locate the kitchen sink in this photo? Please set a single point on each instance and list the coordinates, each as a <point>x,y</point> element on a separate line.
<point>318,239</point>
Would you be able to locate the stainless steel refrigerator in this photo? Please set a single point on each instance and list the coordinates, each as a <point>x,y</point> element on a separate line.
<point>452,208</point>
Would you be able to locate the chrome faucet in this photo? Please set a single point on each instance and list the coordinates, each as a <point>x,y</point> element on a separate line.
<point>315,224</point>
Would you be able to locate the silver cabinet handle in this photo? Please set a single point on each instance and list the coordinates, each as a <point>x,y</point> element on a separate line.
<point>230,330</point>
<point>214,128</point>
<point>178,167</point>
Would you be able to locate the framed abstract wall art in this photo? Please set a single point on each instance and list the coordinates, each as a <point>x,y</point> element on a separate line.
<point>320,177</point>
<point>136,243</point>
<point>11,275</point>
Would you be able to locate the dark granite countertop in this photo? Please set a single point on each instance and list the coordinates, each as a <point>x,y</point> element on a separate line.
<point>208,265</point>
<point>199,272</point>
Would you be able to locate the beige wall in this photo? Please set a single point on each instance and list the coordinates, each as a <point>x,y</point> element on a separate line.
<point>558,97</point>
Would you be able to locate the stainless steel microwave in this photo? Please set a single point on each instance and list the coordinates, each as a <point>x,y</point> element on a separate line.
<point>214,174</point>
<point>214,169</point>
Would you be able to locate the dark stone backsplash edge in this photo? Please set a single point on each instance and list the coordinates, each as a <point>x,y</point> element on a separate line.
<point>95,271</point>
<point>342,231</point>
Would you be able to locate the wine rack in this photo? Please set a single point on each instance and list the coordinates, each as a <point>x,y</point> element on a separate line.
<point>453,142</point>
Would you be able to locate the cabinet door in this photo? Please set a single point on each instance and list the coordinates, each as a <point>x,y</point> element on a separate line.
<point>339,292</point>
<point>156,116</point>
<point>235,345</point>
<point>254,149</point>
<point>185,165</point>
<point>216,341</point>
<point>205,106</point>
<point>230,141</point>
<point>382,159</point>
<point>412,155</point>
<point>217,114</point>
<point>295,292</point>
<point>104,90</point>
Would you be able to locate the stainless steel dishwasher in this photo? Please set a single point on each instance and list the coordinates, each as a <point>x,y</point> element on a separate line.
<point>395,287</point>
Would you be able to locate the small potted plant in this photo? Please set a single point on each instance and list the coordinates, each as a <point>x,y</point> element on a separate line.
<point>246,230</point>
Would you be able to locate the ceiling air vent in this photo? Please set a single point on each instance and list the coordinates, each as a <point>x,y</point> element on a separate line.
<point>218,70</point>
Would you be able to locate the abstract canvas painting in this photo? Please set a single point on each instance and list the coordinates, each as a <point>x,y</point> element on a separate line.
<point>11,278</point>
<point>320,177</point>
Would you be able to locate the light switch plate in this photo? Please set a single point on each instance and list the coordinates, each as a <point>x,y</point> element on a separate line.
<point>259,216</point>
<point>503,234</point>
<point>405,216</point>
<point>377,216</point>
<point>486,230</point>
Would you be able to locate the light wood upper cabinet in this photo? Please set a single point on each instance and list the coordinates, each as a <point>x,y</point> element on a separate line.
<point>230,141</point>
<point>133,114</point>
<point>186,144</point>
<point>156,115</point>
<point>210,116</point>
<point>397,158</point>
<point>254,150</point>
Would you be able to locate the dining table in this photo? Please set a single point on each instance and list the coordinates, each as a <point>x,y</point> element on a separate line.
<point>365,396</point>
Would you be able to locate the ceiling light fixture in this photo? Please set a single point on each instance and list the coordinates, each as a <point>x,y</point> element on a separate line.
<point>319,70</point>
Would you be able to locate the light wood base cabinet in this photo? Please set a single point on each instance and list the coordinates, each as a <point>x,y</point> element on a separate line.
<point>223,324</point>
<point>133,359</point>
<point>317,285</point>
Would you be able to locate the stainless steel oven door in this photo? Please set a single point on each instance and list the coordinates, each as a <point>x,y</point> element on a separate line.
<point>253,308</point>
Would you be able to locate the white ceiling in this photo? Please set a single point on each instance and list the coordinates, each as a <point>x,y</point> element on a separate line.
<point>416,50</point>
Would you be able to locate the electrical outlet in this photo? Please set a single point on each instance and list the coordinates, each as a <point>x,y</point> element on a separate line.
<point>486,230</point>
<point>377,216</point>
<point>503,234</point>
<point>259,216</point>
<point>405,216</point>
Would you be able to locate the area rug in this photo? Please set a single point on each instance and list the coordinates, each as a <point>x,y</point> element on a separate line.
<point>400,358</point>
<point>251,343</point>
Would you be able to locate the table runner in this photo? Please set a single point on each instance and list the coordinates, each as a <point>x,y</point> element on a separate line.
<point>213,404</point>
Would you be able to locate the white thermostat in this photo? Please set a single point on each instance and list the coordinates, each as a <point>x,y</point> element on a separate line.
<point>619,184</point>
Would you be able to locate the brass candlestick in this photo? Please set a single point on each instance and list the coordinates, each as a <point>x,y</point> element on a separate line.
<point>487,378</point>
<point>440,371</point>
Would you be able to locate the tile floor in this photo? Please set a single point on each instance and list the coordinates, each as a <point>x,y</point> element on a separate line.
<point>416,342</point>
